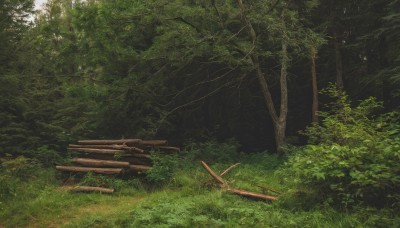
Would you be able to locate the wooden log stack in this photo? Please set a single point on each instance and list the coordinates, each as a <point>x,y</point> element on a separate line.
<point>113,157</point>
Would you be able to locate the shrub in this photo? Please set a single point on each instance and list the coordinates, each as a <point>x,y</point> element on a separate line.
<point>163,169</point>
<point>352,156</point>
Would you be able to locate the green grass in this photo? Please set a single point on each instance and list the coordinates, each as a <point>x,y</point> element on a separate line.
<point>187,200</point>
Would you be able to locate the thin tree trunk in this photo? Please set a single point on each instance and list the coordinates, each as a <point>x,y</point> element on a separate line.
<point>339,64</point>
<point>314,111</point>
<point>279,122</point>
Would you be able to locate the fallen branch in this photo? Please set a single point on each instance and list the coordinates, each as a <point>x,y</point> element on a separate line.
<point>229,169</point>
<point>251,194</point>
<point>213,174</point>
<point>223,184</point>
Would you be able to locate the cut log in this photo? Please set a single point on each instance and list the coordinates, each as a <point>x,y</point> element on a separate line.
<point>100,163</point>
<point>213,174</point>
<point>91,189</point>
<point>115,147</point>
<point>251,194</point>
<point>140,168</point>
<point>153,142</point>
<point>90,169</point>
<point>99,151</point>
<point>109,142</point>
<point>141,155</point>
<point>229,169</point>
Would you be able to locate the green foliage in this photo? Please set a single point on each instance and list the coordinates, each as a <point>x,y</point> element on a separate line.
<point>122,186</point>
<point>164,166</point>
<point>213,151</point>
<point>352,156</point>
<point>21,178</point>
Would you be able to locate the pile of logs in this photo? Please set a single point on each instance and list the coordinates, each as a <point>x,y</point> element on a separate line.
<point>115,156</point>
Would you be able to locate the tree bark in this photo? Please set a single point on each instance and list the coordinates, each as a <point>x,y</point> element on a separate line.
<point>314,111</point>
<point>338,58</point>
<point>109,142</point>
<point>90,169</point>
<point>100,163</point>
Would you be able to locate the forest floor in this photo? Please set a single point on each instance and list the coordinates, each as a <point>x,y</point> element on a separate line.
<point>186,200</point>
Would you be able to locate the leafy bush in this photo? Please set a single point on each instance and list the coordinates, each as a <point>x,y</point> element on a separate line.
<point>164,166</point>
<point>352,156</point>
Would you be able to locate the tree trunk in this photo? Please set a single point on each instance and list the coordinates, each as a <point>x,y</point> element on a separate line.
<point>279,122</point>
<point>314,111</point>
<point>339,64</point>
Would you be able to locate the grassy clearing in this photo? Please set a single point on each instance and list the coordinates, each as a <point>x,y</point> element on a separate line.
<point>188,200</point>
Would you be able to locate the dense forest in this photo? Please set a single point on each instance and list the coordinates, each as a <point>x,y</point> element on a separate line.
<point>305,94</point>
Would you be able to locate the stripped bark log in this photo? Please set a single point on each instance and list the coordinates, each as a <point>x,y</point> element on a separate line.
<point>110,142</point>
<point>99,151</point>
<point>90,169</point>
<point>116,147</point>
<point>91,189</point>
<point>100,163</point>
<point>236,191</point>
<point>153,142</point>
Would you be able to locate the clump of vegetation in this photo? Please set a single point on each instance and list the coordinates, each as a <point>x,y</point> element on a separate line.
<point>353,155</point>
<point>213,151</point>
<point>164,167</point>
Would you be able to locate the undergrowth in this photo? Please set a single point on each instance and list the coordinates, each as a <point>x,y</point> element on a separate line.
<point>188,197</point>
